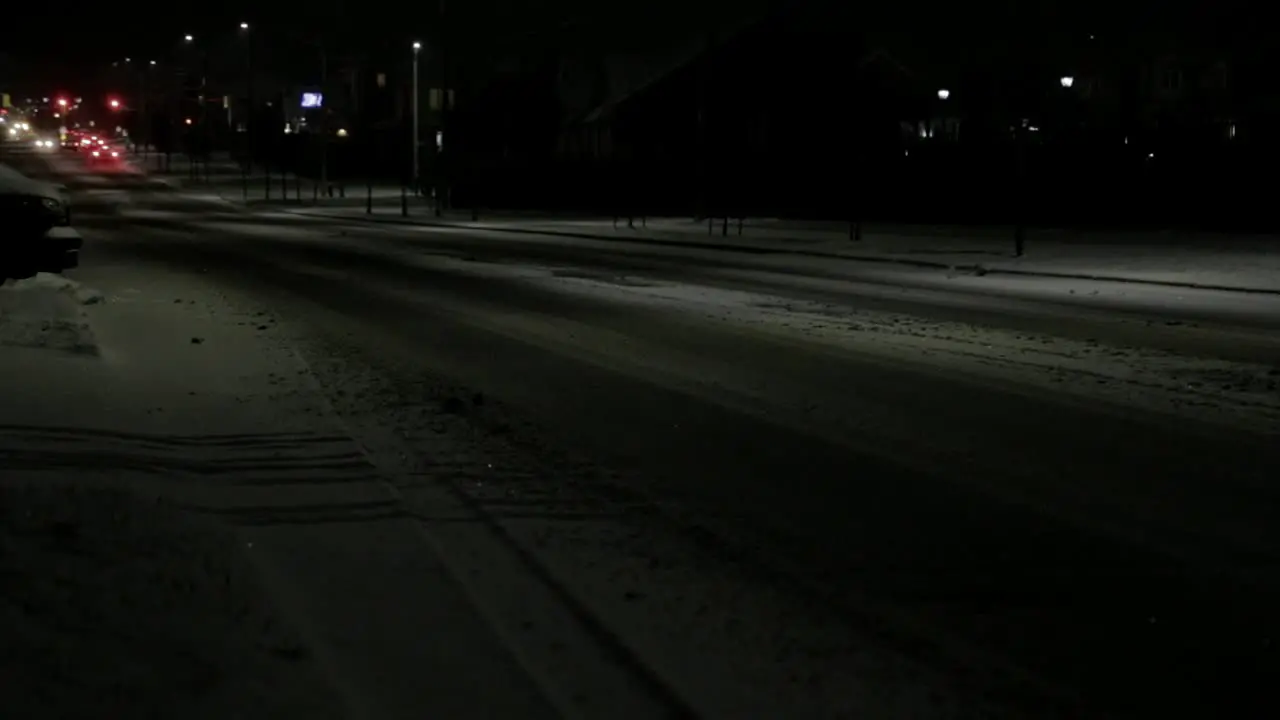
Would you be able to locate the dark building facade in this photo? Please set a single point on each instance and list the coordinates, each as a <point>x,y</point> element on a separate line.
<point>814,112</point>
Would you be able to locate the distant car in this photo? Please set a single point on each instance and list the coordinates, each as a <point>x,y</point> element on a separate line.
<point>84,140</point>
<point>37,220</point>
<point>103,154</point>
<point>16,130</point>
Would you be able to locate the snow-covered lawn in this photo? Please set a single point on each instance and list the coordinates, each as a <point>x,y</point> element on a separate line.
<point>1226,261</point>
<point>1247,262</point>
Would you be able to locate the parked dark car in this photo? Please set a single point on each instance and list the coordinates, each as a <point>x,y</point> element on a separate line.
<point>35,227</point>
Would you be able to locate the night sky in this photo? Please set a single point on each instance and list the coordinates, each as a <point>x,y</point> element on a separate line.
<point>67,44</point>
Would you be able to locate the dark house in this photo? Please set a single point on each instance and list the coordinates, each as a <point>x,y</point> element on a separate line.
<point>786,114</point>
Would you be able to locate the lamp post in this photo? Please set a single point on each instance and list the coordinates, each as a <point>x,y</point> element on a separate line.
<point>246,163</point>
<point>416,133</point>
<point>175,105</point>
<point>203,115</point>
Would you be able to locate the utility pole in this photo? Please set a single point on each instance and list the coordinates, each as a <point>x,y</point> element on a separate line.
<point>175,90</point>
<point>324,118</point>
<point>144,124</point>
<point>415,140</point>
<point>205,120</point>
<point>442,169</point>
<point>246,162</point>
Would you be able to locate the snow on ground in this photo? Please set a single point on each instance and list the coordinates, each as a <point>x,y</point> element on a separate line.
<point>1250,262</point>
<point>47,311</point>
<point>116,605</point>
<point>730,644</point>
<point>757,653</point>
<point>209,408</point>
<point>1204,388</point>
<point>694,618</point>
<point>1229,261</point>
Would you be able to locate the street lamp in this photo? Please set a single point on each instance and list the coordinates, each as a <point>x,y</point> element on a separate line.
<point>188,38</point>
<point>246,165</point>
<point>417,49</point>
<point>1066,81</point>
<point>943,94</point>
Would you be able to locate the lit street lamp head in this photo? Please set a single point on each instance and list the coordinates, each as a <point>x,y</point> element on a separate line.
<point>1067,81</point>
<point>943,94</point>
<point>417,46</point>
<point>244,26</point>
<point>188,38</point>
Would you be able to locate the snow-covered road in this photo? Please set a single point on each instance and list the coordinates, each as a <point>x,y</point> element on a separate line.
<point>764,487</point>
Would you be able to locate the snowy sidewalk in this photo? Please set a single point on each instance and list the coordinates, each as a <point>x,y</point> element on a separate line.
<point>191,533</point>
<point>1250,264</point>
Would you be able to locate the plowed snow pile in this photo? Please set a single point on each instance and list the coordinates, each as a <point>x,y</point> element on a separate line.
<point>47,311</point>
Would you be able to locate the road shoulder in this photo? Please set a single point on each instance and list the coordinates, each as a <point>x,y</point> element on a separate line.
<point>154,391</point>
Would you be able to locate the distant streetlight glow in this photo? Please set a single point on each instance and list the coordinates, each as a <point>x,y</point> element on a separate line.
<point>417,45</point>
<point>188,38</point>
<point>1066,81</point>
<point>153,62</point>
<point>943,94</point>
<point>244,26</point>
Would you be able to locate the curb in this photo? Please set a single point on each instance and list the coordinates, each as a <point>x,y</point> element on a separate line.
<point>923,264</point>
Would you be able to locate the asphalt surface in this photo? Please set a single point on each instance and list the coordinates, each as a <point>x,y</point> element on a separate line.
<point>1124,559</point>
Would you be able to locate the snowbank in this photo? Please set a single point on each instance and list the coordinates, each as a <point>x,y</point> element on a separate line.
<point>116,607</point>
<point>47,311</point>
